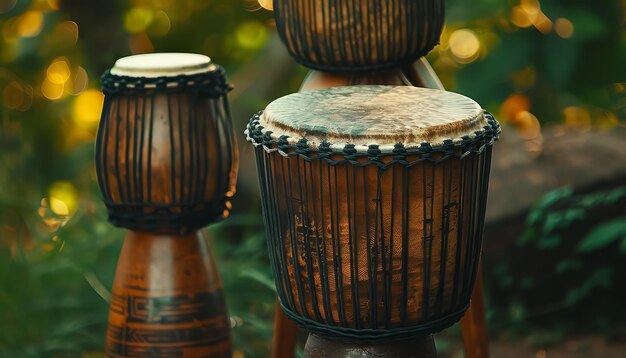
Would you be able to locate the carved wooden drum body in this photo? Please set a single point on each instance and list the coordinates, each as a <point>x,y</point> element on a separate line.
<point>166,155</point>
<point>374,202</point>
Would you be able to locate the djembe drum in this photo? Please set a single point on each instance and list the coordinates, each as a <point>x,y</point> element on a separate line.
<point>352,42</point>
<point>374,202</point>
<point>167,164</point>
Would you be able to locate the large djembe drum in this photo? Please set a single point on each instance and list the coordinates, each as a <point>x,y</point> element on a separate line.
<point>166,161</point>
<point>374,202</point>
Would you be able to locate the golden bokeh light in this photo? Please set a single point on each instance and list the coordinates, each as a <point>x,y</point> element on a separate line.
<point>564,28</point>
<point>605,120</point>
<point>63,198</point>
<point>79,81</point>
<point>267,4</point>
<point>528,126</point>
<point>530,7</point>
<point>513,105</point>
<point>59,71</point>
<point>520,18</point>
<point>51,90</point>
<point>87,108</point>
<point>464,45</point>
<point>251,35</point>
<point>577,117</point>
<point>67,30</point>
<point>542,23</point>
<point>161,24</point>
<point>53,4</point>
<point>138,19</point>
<point>30,23</point>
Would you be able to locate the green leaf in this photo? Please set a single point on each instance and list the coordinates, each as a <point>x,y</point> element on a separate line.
<point>603,235</point>
<point>549,242</point>
<point>259,277</point>
<point>568,265</point>
<point>553,221</point>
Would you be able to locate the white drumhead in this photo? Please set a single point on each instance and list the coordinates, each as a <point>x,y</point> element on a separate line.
<point>162,64</point>
<point>382,115</point>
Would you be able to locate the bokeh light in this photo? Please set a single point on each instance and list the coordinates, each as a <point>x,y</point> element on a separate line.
<point>160,24</point>
<point>577,117</point>
<point>464,45</point>
<point>79,81</point>
<point>520,18</point>
<point>30,23</point>
<point>251,35</point>
<point>53,4</point>
<point>564,28</point>
<point>513,105</point>
<point>87,108</point>
<point>63,198</point>
<point>67,30</point>
<point>267,4</point>
<point>51,90</point>
<point>59,71</point>
<point>137,19</point>
<point>527,124</point>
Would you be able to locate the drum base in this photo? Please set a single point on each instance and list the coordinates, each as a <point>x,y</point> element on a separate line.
<point>418,347</point>
<point>167,300</point>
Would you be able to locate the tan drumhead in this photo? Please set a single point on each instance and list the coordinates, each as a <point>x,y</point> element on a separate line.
<point>162,64</point>
<point>365,115</point>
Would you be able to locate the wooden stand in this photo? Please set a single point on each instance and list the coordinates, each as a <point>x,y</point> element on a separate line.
<point>167,299</point>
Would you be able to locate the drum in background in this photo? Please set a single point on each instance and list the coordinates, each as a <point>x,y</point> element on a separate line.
<point>166,161</point>
<point>166,155</point>
<point>374,202</point>
<point>358,35</point>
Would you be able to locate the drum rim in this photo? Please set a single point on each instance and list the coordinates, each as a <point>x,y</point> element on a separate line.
<point>286,145</point>
<point>212,83</point>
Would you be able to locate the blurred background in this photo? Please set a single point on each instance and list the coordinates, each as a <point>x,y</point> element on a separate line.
<point>553,72</point>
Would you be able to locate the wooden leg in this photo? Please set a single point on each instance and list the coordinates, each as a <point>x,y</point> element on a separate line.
<point>285,336</point>
<point>473,325</point>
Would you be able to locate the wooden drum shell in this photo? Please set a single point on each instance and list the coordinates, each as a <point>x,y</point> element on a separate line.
<point>380,242</point>
<point>389,33</point>
<point>166,162</point>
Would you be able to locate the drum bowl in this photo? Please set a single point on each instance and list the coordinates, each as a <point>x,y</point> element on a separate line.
<point>358,35</point>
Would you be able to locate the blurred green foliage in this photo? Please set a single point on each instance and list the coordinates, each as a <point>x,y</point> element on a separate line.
<point>533,62</point>
<point>577,244</point>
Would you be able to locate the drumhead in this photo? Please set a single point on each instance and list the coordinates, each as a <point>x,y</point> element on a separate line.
<point>153,65</point>
<point>366,115</point>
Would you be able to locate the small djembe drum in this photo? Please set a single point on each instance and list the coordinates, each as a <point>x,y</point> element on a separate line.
<point>374,202</point>
<point>166,161</point>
